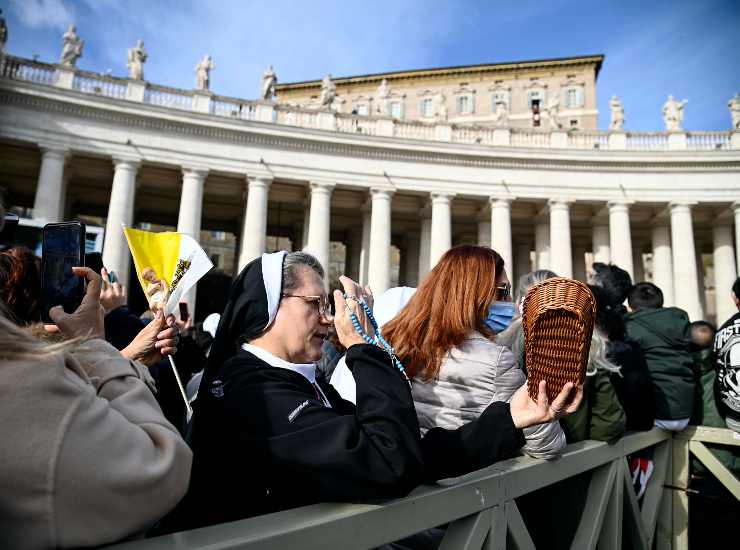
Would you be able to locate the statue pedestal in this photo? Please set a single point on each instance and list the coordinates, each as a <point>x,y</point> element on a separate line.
<point>677,141</point>
<point>502,137</point>
<point>443,132</point>
<point>135,90</point>
<point>386,127</point>
<point>735,139</point>
<point>618,140</point>
<point>265,112</point>
<point>327,120</point>
<point>202,101</point>
<point>558,139</point>
<point>65,77</point>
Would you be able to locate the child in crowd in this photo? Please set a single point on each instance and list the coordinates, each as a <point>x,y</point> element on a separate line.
<point>665,336</point>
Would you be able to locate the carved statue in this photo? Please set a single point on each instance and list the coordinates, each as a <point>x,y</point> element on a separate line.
<point>501,116</point>
<point>382,97</point>
<point>734,105</point>
<point>269,79</point>
<point>328,92</point>
<point>136,59</point>
<point>72,48</point>
<point>673,114</point>
<point>203,73</point>
<point>553,111</point>
<point>617,122</point>
<point>440,106</point>
<point>3,32</point>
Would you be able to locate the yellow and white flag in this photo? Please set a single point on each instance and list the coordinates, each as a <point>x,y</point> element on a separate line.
<point>173,258</point>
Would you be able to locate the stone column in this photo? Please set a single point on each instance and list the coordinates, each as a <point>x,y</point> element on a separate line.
<point>254,230</point>
<point>685,276</point>
<point>379,270</point>
<point>523,261</point>
<point>365,251</point>
<point>49,202</point>
<point>189,217</point>
<point>319,223</point>
<point>725,272</point>
<point>736,210</point>
<point>501,230</point>
<point>441,237</point>
<point>561,255</point>
<point>542,245</point>
<point>663,262</point>
<point>425,247</point>
<point>484,233</point>
<point>579,262</point>
<point>601,248</point>
<point>620,237</point>
<point>410,259</point>
<point>354,256</point>
<point>116,254</point>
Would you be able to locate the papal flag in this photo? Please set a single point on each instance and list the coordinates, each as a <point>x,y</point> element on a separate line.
<point>167,264</point>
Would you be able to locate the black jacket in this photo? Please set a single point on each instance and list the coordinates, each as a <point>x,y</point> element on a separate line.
<point>267,443</point>
<point>633,384</point>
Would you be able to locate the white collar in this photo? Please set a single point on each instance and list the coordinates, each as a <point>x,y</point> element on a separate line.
<point>307,370</point>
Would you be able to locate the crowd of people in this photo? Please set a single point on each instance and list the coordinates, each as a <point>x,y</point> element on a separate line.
<point>301,396</point>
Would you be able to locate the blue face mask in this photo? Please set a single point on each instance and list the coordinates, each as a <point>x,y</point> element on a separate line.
<point>500,315</point>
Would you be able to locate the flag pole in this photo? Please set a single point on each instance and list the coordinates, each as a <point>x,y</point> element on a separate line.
<point>188,408</point>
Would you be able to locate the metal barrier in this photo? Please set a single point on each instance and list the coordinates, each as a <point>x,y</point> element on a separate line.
<point>481,511</point>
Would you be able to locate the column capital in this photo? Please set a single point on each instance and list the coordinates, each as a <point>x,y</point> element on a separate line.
<point>199,171</point>
<point>619,205</point>
<point>126,162</point>
<point>381,192</point>
<point>560,203</point>
<point>54,150</point>
<point>442,197</point>
<point>259,181</point>
<point>679,206</point>
<point>321,187</point>
<point>736,206</point>
<point>500,202</point>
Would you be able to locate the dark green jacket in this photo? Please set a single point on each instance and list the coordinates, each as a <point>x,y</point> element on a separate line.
<point>664,335</point>
<point>600,415</point>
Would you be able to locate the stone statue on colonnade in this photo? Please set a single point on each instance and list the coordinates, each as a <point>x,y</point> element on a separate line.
<point>440,106</point>
<point>269,79</point>
<point>203,73</point>
<point>382,96</point>
<point>617,122</point>
<point>734,105</point>
<point>501,116</point>
<point>553,112</point>
<point>3,33</point>
<point>136,58</point>
<point>328,92</point>
<point>673,114</point>
<point>72,48</point>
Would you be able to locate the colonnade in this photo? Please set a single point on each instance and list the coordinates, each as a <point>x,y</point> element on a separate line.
<point>675,266</point>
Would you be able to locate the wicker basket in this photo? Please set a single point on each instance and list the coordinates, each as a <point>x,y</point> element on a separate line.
<point>558,322</point>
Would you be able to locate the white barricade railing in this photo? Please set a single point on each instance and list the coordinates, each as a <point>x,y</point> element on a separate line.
<point>233,108</point>
<point>481,508</point>
<point>647,141</point>
<point>588,140</point>
<point>414,130</point>
<point>168,97</point>
<point>30,71</point>
<point>530,138</point>
<point>92,83</point>
<point>707,141</point>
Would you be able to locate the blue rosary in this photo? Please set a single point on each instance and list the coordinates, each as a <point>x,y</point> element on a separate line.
<point>378,339</point>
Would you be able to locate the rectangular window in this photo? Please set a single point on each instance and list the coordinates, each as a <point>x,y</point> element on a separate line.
<point>361,109</point>
<point>396,111</point>
<point>426,107</point>
<point>573,97</point>
<point>498,97</point>
<point>535,95</point>
<point>464,104</point>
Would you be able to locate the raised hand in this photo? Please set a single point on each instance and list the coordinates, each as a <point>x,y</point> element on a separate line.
<point>526,412</point>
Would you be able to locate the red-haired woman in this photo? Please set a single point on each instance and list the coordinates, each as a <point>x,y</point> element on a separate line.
<point>445,337</point>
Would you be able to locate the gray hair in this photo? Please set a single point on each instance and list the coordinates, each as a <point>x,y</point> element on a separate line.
<point>530,279</point>
<point>291,268</point>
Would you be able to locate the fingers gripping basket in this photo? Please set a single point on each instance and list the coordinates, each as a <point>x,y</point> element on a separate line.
<point>558,321</point>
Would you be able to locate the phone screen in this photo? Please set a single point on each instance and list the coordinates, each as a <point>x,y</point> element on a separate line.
<point>62,249</point>
<point>7,234</point>
<point>184,313</point>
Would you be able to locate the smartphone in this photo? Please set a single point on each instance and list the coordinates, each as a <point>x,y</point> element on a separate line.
<point>62,248</point>
<point>184,313</point>
<point>112,277</point>
<point>7,234</point>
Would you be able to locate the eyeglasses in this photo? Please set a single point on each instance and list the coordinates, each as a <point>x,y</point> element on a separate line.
<point>322,303</point>
<point>503,290</point>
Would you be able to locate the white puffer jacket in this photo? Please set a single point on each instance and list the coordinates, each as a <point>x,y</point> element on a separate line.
<point>472,377</point>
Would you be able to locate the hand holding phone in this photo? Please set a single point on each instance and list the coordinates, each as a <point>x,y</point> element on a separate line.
<point>87,320</point>
<point>63,248</point>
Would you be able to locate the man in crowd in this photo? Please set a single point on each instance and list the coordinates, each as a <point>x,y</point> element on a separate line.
<point>727,353</point>
<point>665,336</point>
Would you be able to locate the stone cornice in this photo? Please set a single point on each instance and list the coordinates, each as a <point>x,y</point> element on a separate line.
<point>160,119</point>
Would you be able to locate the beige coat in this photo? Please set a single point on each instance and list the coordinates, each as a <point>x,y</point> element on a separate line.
<point>86,455</point>
<point>472,377</point>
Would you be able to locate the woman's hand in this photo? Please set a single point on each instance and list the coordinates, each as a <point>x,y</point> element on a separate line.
<point>87,320</point>
<point>346,332</point>
<point>154,342</point>
<point>113,295</point>
<point>526,412</point>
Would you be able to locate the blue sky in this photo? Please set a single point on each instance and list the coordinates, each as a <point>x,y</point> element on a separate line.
<point>653,48</point>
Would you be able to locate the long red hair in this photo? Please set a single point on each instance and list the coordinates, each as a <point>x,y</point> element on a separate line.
<point>450,303</point>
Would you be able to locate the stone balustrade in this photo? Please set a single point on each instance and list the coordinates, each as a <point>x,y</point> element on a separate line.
<point>16,68</point>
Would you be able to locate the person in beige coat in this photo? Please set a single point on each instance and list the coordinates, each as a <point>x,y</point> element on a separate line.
<point>87,457</point>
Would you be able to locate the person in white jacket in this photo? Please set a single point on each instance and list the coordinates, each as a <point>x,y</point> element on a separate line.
<point>87,457</point>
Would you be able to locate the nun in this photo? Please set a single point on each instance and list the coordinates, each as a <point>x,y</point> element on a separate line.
<point>268,436</point>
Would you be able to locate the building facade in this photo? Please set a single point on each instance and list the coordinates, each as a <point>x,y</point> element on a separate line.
<point>378,197</point>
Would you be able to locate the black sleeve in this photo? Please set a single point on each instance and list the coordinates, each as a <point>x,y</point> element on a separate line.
<point>373,453</point>
<point>487,439</point>
<point>122,326</point>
